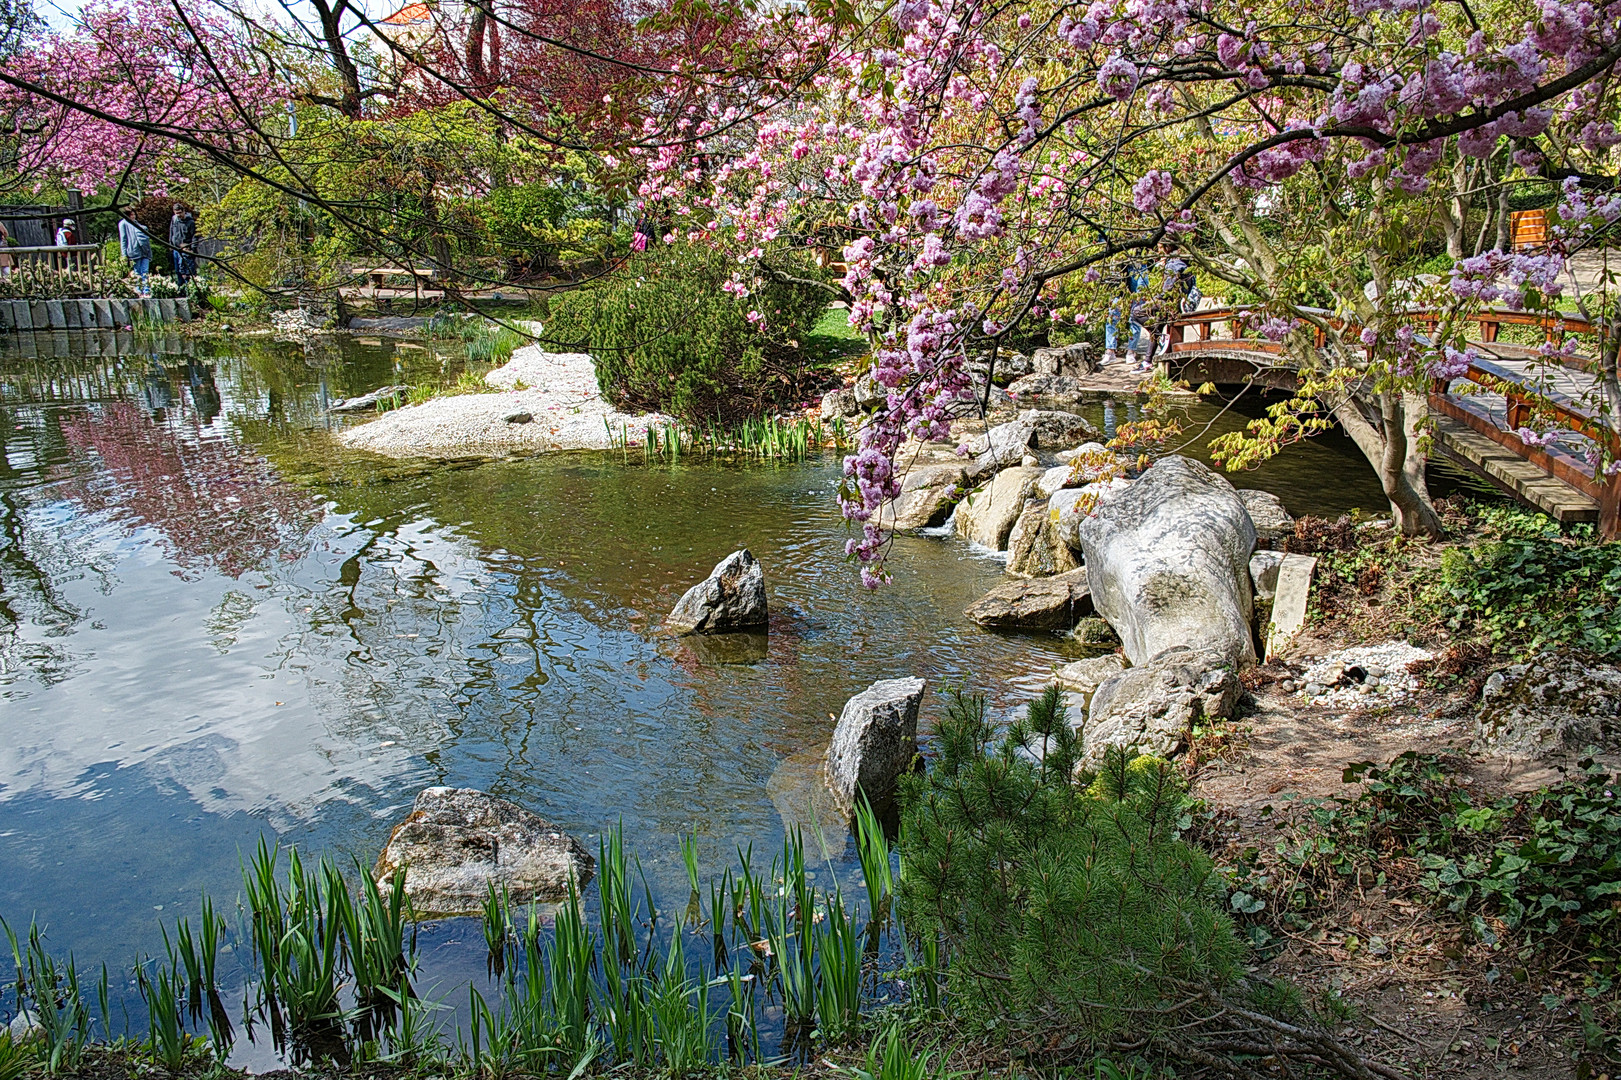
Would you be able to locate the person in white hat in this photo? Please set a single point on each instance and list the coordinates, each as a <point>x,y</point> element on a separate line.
<point>65,233</point>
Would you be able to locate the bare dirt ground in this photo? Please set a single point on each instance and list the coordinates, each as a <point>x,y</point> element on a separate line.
<point>1417,994</point>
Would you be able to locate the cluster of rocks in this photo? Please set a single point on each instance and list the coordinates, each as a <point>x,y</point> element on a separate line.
<point>1358,677</point>
<point>1167,561</point>
<point>1050,372</point>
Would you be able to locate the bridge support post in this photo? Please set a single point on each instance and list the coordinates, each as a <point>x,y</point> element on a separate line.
<point>1609,509</point>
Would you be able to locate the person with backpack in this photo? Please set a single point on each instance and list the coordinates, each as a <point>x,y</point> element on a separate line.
<point>182,237</point>
<point>136,246</point>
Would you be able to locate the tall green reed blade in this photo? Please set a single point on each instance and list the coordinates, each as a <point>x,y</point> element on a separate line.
<point>742,1024</point>
<point>840,950</point>
<point>53,993</point>
<point>680,1006</point>
<point>161,991</point>
<point>877,871</point>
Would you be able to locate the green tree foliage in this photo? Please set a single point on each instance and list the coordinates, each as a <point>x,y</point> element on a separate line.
<point>666,336</point>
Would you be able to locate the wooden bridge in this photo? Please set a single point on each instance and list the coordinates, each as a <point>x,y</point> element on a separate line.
<point>1478,417</point>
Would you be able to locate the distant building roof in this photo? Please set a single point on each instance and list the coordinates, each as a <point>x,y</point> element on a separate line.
<point>410,15</point>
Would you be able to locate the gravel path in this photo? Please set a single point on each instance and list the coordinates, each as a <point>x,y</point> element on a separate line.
<point>547,401</point>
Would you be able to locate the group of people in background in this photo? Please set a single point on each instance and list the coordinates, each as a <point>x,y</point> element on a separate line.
<point>1145,317</point>
<point>135,244</point>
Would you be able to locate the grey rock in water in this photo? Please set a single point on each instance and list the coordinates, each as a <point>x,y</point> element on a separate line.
<point>839,403</point>
<point>1152,709</point>
<point>1069,507</point>
<point>1000,447</point>
<point>368,402</point>
<point>1045,603</point>
<point>928,492</point>
<point>457,842</point>
<point>1169,563</point>
<point>1056,479</point>
<point>731,598</point>
<point>1034,549</point>
<point>875,741</point>
<point>1272,522</point>
<point>24,1027</point>
<point>988,514</point>
<point>1555,706</point>
<point>1057,389</point>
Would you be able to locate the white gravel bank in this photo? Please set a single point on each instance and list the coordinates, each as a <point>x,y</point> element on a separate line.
<point>558,394</point>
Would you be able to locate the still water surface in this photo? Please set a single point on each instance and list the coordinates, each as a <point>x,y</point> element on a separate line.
<point>216,627</point>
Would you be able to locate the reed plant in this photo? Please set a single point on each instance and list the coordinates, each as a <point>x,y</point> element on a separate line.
<point>52,993</point>
<point>160,989</point>
<point>767,438</point>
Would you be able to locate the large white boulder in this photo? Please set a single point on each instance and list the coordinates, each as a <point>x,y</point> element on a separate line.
<point>731,598</point>
<point>988,514</point>
<point>875,741</point>
<point>1168,560</point>
<point>457,842</point>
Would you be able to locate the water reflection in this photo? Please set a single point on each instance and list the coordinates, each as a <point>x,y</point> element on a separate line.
<point>215,625</point>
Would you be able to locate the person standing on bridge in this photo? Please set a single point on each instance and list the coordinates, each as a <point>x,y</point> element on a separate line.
<point>1135,280</point>
<point>1179,295</point>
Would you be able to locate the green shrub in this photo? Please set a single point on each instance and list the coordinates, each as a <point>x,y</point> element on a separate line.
<point>666,336</point>
<point>1076,921</point>
<point>1531,591</point>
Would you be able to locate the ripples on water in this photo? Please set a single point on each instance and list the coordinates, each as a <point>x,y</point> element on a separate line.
<point>214,626</point>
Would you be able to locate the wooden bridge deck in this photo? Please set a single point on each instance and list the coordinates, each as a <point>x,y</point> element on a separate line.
<point>1481,419</point>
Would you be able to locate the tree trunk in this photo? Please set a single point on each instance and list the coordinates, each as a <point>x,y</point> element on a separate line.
<point>1389,439</point>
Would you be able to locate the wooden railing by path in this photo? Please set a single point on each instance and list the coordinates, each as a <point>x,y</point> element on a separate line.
<point>1487,322</point>
<point>1195,333</point>
<point>63,257</point>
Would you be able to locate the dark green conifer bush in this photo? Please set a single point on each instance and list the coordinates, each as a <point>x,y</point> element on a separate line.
<point>1075,920</point>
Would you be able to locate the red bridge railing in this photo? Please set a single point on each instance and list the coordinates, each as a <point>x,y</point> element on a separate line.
<point>1195,333</point>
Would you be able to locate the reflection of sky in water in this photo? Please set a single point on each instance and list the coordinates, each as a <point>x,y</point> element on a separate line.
<point>195,652</point>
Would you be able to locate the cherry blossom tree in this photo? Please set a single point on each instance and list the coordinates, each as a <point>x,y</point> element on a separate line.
<point>131,90</point>
<point>986,164</point>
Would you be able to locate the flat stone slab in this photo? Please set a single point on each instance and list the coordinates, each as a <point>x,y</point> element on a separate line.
<point>1047,603</point>
<point>1293,589</point>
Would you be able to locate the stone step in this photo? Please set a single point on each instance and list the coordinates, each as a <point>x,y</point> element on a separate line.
<point>1512,473</point>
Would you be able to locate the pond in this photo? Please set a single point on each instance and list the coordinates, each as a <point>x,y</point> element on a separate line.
<point>217,627</point>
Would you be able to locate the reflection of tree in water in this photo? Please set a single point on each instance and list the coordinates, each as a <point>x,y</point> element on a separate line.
<point>216,503</point>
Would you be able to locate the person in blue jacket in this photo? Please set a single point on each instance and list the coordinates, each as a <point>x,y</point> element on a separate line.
<point>136,246</point>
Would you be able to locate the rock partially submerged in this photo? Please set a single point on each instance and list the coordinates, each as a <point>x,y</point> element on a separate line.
<point>368,402</point>
<point>1169,558</point>
<point>1556,706</point>
<point>875,741</point>
<point>1034,549</point>
<point>1272,522</point>
<point>1044,603</point>
<point>928,494</point>
<point>731,598</point>
<point>987,515</point>
<point>557,390</point>
<point>1085,676</point>
<point>457,842</point>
